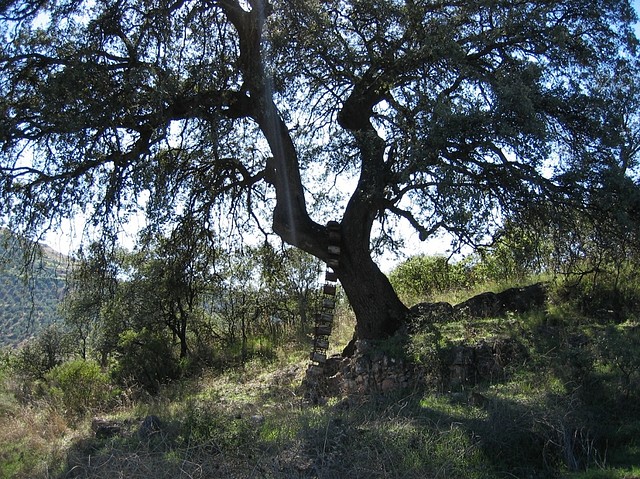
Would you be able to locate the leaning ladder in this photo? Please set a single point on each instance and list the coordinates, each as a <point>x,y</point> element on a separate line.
<point>324,319</point>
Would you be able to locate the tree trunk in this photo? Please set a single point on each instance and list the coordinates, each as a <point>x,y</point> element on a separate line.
<point>184,349</point>
<point>379,312</point>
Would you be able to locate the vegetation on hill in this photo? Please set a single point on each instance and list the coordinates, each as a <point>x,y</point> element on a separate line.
<point>29,296</point>
<point>564,402</point>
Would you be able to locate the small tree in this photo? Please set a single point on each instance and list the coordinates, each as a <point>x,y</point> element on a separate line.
<point>290,283</point>
<point>146,359</point>
<point>91,285</point>
<point>518,252</point>
<point>173,275</point>
<point>44,352</point>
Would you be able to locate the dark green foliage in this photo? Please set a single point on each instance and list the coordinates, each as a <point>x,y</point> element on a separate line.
<point>608,291</point>
<point>92,285</point>
<point>616,348</point>
<point>456,117</point>
<point>144,359</point>
<point>49,349</point>
<point>179,304</point>
<point>289,289</point>
<point>519,252</point>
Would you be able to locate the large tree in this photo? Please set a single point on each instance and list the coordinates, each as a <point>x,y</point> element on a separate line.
<point>449,115</point>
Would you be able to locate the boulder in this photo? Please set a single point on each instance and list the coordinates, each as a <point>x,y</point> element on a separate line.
<point>484,305</point>
<point>104,428</point>
<point>149,427</point>
<point>521,300</point>
<point>429,313</point>
<point>512,300</point>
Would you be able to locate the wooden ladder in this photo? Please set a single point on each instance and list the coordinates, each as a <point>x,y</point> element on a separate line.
<point>324,319</point>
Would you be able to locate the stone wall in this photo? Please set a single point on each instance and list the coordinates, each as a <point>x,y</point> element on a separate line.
<point>380,367</point>
<point>369,370</point>
<point>487,360</point>
<point>373,370</point>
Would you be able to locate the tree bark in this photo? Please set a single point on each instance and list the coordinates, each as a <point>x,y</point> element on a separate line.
<point>379,312</point>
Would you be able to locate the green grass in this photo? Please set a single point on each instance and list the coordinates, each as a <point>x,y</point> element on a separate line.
<point>606,473</point>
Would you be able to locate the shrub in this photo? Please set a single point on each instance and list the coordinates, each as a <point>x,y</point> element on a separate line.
<point>607,294</point>
<point>202,424</point>
<point>427,348</point>
<point>80,386</point>
<point>43,353</point>
<point>145,359</point>
<point>422,277</point>
<point>618,349</point>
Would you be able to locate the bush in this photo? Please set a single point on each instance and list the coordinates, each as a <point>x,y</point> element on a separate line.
<point>202,424</point>
<point>80,386</point>
<point>145,359</point>
<point>427,348</point>
<point>608,293</point>
<point>43,353</point>
<point>421,277</point>
<point>618,350</point>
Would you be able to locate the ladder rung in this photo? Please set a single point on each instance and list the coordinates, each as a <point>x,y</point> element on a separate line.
<point>329,289</point>
<point>318,357</point>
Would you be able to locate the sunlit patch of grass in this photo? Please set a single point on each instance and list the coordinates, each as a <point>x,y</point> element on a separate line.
<point>343,327</point>
<point>454,407</point>
<point>422,446</point>
<point>606,473</point>
<point>476,330</point>
<point>527,386</point>
<point>297,424</point>
<point>279,430</point>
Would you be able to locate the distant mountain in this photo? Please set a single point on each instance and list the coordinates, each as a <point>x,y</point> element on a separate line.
<point>29,296</point>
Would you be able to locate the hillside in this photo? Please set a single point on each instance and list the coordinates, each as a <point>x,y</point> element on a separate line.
<point>29,298</point>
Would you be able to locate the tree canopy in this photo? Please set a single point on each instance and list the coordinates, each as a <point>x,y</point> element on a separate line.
<point>447,115</point>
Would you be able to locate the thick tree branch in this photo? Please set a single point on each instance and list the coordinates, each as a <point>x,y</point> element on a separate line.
<point>423,232</point>
<point>291,219</point>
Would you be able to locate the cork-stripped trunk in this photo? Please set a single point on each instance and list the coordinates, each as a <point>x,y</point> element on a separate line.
<point>378,310</point>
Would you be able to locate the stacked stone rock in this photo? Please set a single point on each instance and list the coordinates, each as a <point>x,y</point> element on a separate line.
<point>324,319</point>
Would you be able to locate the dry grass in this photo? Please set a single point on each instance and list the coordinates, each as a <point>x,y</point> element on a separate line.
<point>191,462</point>
<point>343,328</point>
<point>250,423</point>
<point>33,440</point>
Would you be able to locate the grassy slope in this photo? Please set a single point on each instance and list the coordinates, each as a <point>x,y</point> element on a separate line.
<point>572,397</point>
